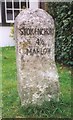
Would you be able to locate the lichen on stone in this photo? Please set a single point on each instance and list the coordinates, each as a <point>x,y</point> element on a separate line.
<point>36,68</point>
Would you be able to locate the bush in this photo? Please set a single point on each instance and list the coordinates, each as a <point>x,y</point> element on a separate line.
<point>62,14</point>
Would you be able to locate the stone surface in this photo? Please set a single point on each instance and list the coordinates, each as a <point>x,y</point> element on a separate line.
<point>36,69</point>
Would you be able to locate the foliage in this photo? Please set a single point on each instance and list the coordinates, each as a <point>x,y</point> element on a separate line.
<point>12,31</point>
<point>11,102</point>
<point>62,14</point>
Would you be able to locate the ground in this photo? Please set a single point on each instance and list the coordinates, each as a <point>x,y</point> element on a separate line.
<point>11,102</point>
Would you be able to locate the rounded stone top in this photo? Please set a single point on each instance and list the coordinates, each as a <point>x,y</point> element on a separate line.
<point>37,16</point>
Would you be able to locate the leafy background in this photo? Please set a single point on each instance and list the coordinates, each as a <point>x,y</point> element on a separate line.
<point>62,14</point>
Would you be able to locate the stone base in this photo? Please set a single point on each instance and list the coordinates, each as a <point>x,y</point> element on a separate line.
<point>38,85</point>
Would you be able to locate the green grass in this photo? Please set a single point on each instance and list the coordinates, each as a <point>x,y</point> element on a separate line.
<point>11,102</point>
<point>0,82</point>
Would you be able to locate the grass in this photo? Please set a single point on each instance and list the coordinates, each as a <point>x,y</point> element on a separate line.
<point>11,102</point>
<point>0,82</point>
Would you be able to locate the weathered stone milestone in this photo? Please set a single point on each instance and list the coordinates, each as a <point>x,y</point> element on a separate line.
<point>36,69</point>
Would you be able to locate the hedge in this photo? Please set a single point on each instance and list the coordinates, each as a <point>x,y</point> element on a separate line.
<point>62,14</point>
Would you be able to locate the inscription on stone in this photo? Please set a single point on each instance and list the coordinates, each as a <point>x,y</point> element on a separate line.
<point>36,49</point>
<point>36,31</point>
<point>36,69</point>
